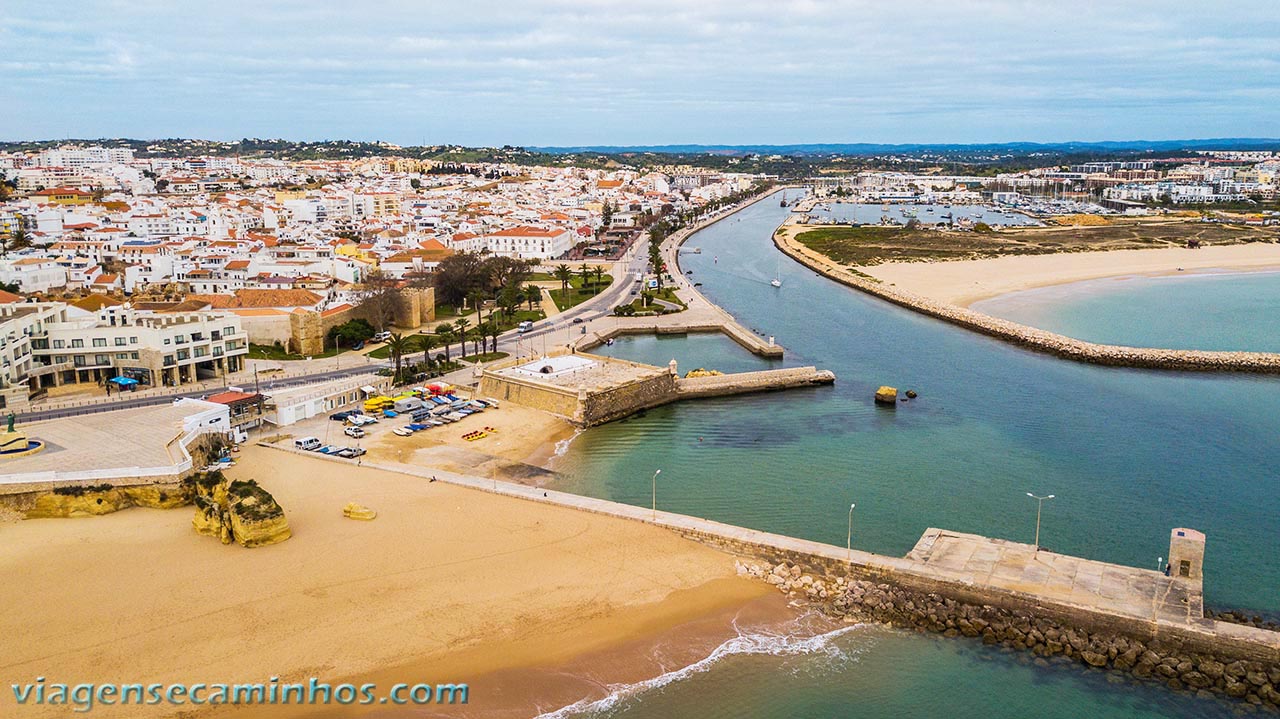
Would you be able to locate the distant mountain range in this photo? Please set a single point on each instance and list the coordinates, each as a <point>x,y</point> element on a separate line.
<point>862,148</point>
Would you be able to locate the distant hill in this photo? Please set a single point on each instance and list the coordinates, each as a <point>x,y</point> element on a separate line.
<point>1020,148</point>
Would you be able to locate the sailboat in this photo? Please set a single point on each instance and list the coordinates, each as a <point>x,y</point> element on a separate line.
<point>777,271</point>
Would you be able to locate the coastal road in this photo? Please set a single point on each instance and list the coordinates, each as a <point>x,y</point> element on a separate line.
<point>127,402</point>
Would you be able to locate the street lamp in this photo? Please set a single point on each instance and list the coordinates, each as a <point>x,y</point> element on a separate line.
<point>848,543</point>
<point>1039,505</point>
<point>655,494</point>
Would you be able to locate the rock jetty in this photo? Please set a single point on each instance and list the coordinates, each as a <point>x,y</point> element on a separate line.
<point>1031,337</point>
<point>852,599</point>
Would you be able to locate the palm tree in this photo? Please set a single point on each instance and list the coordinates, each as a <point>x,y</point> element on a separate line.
<point>427,343</point>
<point>397,346</point>
<point>564,274</point>
<point>445,332</point>
<point>599,273</point>
<point>532,295</point>
<point>461,327</point>
<point>477,338</point>
<point>584,271</point>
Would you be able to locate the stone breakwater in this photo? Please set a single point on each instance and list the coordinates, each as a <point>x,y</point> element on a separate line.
<point>1031,337</point>
<point>1151,659</point>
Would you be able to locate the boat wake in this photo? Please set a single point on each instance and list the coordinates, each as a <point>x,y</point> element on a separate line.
<point>748,643</point>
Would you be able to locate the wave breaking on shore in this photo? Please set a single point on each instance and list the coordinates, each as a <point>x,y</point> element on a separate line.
<point>757,642</point>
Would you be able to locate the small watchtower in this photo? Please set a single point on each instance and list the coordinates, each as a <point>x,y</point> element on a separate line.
<point>1186,554</point>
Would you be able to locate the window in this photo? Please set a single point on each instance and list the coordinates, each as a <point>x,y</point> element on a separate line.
<point>58,344</point>
<point>79,361</point>
<point>99,341</point>
<point>180,339</point>
<point>201,351</point>
<point>133,340</point>
<point>77,344</point>
<point>133,355</point>
<point>101,359</point>
<point>229,331</point>
<point>122,355</point>
<point>166,340</point>
<point>120,342</point>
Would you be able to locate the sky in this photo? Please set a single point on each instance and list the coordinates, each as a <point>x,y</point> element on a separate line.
<point>591,72</point>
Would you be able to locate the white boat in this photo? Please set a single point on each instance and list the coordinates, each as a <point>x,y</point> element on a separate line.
<point>776,282</point>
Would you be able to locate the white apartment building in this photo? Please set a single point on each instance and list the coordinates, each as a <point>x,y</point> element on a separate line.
<point>33,274</point>
<point>19,322</point>
<point>154,348</point>
<point>525,242</point>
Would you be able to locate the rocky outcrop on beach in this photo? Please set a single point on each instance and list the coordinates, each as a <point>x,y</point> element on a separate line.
<point>92,501</point>
<point>241,512</point>
<point>358,511</point>
<point>852,599</point>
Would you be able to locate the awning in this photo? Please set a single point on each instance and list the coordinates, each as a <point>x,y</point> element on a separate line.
<point>369,390</point>
<point>123,381</point>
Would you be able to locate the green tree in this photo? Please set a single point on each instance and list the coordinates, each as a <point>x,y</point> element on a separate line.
<point>398,345</point>
<point>584,271</point>
<point>598,271</point>
<point>564,274</point>
<point>461,326</point>
<point>445,333</point>
<point>426,343</point>
<point>533,296</point>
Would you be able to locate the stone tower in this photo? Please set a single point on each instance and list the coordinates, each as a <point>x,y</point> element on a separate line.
<point>1186,554</point>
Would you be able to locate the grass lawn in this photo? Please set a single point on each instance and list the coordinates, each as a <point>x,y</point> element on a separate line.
<point>577,293</point>
<point>488,357</point>
<point>272,352</point>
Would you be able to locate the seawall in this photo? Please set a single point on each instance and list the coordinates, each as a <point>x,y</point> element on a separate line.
<point>1030,337</point>
<point>1111,616</point>
<point>730,329</point>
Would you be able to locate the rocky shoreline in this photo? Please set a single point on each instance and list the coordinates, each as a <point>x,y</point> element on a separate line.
<point>1253,682</point>
<point>1031,337</point>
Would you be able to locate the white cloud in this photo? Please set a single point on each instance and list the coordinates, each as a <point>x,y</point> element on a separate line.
<point>593,71</point>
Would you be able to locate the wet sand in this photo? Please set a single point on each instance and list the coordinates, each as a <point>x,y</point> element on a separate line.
<point>965,282</point>
<point>447,582</point>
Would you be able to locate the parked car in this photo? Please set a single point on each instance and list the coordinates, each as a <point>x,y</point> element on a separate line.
<point>309,444</point>
<point>577,320</point>
<point>341,416</point>
<point>358,346</point>
<point>382,336</point>
<point>357,451</point>
<point>355,432</point>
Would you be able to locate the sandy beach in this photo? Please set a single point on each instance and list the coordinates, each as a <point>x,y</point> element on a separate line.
<point>966,282</point>
<point>448,584</point>
<point>525,440</point>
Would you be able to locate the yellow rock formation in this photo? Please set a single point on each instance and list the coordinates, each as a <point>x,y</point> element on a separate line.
<point>358,511</point>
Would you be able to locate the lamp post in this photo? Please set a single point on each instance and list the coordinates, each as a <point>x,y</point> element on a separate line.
<point>655,494</point>
<point>848,542</point>
<point>1039,505</point>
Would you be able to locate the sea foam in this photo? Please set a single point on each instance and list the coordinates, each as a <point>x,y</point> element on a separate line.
<point>745,643</point>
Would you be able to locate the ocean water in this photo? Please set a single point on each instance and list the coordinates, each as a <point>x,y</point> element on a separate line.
<point>1130,455</point>
<point>1201,310</point>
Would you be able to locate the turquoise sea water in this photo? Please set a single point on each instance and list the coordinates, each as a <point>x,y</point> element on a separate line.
<point>1130,454</point>
<point>1210,311</point>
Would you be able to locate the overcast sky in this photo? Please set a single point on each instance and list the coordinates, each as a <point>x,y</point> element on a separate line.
<point>593,72</point>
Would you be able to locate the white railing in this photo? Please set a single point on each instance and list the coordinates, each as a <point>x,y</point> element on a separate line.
<point>90,475</point>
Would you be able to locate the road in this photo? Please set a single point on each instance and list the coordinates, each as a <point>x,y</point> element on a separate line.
<point>127,402</point>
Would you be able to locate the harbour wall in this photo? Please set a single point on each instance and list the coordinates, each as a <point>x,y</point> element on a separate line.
<point>1030,337</point>
<point>649,387</point>
<point>732,330</point>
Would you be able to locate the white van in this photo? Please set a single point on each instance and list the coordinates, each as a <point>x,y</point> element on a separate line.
<point>309,444</point>
<point>524,326</point>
